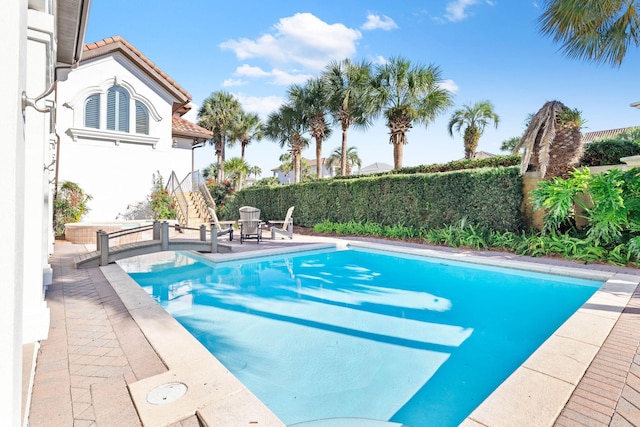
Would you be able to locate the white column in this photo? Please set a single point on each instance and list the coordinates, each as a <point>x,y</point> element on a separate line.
<point>13,18</point>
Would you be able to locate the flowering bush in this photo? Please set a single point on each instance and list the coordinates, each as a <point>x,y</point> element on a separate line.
<point>69,206</point>
<point>162,204</point>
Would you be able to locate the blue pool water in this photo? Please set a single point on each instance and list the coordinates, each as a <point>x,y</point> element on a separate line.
<point>361,334</point>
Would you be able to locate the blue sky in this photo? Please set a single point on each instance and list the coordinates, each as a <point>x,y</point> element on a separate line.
<point>486,50</point>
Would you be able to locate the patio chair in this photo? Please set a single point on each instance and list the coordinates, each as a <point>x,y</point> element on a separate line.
<point>250,224</point>
<point>285,227</point>
<point>217,225</point>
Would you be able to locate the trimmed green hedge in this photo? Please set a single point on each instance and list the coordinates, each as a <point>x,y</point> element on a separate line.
<point>489,196</point>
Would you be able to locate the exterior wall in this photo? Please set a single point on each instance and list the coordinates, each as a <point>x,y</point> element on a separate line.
<point>38,143</point>
<point>115,174</point>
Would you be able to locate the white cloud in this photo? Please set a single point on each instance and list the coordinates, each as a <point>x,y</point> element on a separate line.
<point>457,10</point>
<point>377,22</point>
<point>449,85</point>
<point>234,82</point>
<point>275,76</point>
<point>247,70</point>
<point>301,39</point>
<point>262,106</point>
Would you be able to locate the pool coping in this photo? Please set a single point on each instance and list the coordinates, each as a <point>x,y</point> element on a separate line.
<point>533,395</point>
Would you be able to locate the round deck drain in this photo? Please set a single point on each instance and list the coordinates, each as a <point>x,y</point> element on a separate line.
<point>166,393</point>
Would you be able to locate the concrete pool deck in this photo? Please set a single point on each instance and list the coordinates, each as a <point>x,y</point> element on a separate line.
<point>109,345</point>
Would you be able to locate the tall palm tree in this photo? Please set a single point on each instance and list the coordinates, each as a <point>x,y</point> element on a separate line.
<point>409,94</point>
<point>247,128</point>
<point>552,142</point>
<point>351,98</point>
<point>352,158</point>
<point>594,30</point>
<point>311,99</point>
<point>286,127</point>
<point>473,119</point>
<point>236,168</point>
<point>217,114</point>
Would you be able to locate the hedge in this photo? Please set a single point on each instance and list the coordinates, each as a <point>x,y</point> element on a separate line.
<point>490,196</point>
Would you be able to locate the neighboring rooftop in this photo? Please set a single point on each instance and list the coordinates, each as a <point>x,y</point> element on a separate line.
<point>603,134</point>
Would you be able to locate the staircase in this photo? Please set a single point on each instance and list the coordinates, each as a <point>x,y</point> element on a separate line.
<point>197,211</point>
<point>192,200</point>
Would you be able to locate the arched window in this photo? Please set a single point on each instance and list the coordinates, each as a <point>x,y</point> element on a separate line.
<point>142,118</point>
<point>92,111</point>
<point>117,109</point>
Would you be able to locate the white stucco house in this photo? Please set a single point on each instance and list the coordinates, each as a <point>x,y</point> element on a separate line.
<point>49,137</point>
<point>119,124</point>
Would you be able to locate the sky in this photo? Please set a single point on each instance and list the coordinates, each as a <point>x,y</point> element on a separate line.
<point>485,49</point>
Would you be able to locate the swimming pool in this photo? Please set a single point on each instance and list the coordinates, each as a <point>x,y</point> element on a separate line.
<point>364,334</point>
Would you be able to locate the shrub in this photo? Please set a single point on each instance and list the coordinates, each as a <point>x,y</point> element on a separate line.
<point>489,196</point>
<point>70,204</point>
<point>608,152</point>
<point>160,202</point>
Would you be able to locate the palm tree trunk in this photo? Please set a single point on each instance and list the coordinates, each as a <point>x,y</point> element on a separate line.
<point>343,159</point>
<point>397,155</point>
<point>296,166</point>
<point>318,157</point>
<point>243,146</point>
<point>220,170</point>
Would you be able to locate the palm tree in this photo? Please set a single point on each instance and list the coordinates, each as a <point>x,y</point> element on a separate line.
<point>218,114</point>
<point>255,171</point>
<point>351,98</point>
<point>552,142</point>
<point>287,126</point>
<point>409,94</point>
<point>473,119</point>
<point>595,30</point>
<point>236,168</point>
<point>352,158</point>
<point>248,127</point>
<point>311,99</point>
<point>210,171</point>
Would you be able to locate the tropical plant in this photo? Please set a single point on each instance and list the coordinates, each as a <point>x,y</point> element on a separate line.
<point>311,100</point>
<point>286,127</point>
<point>612,213</point>
<point>161,203</point>
<point>352,159</point>
<point>255,171</point>
<point>247,128</point>
<point>237,169</point>
<point>509,144</point>
<point>408,94</point>
<point>473,119</point>
<point>221,193</point>
<point>210,171</point>
<point>351,99</point>
<point>266,182</point>
<point>219,113</point>
<point>593,30</point>
<point>552,142</point>
<point>69,205</point>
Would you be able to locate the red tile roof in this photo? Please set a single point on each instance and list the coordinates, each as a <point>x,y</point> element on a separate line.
<point>185,129</point>
<point>117,43</point>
